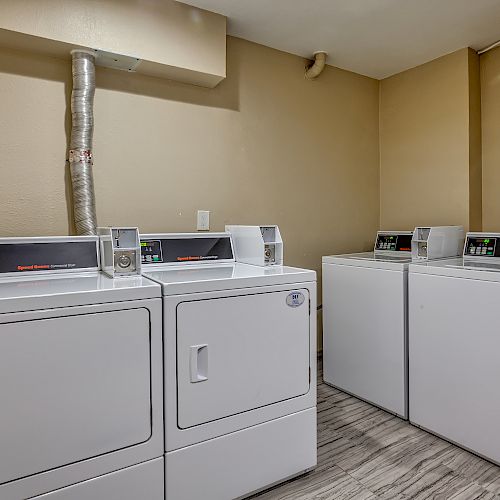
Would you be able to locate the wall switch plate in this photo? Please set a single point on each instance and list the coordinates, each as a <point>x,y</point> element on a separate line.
<point>203,220</point>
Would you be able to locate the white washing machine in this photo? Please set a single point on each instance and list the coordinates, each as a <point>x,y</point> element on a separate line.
<point>81,391</point>
<point>454,344</point>
<point>364,322</point>
<point>240,367</point>
<point>365,325</point>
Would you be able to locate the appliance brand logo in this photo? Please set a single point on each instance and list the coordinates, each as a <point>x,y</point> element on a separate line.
<point>33,267</point>
<point>44,267</point>
<point>295,299</point>
<point>197,257</point>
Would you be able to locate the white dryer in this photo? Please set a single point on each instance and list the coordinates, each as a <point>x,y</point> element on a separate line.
<point>454,343</point>
<point>80,375</point>
<point>365,324</point>
<point>240,367</point>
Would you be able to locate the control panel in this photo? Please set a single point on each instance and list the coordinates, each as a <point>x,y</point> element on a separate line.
<point>482,246</point>
<point>151,251</point>
<point>184,248</point>
<point>49,254</point>
<point>393,242</point>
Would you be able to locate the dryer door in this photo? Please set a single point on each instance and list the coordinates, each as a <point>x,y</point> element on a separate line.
<point>239,353</point>
<point>72,387</point>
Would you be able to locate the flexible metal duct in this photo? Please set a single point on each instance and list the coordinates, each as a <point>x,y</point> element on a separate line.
<point>80,153</point>
<point>318,65</point>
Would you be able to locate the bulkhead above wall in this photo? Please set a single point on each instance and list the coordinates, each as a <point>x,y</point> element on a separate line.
<point>162,38</point>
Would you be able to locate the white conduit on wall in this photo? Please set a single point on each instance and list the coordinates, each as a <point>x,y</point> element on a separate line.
<point>80,153</point>
<point>490,47</point>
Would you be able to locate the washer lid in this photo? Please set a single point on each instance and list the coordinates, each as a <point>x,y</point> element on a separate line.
<point>208,278</point>
<point>370,259</point>
<point>459,268</point>
<point>31,292</point>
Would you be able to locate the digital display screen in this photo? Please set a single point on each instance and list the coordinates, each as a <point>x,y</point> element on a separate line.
<point>394,242</point>
<point>171,250</point>
<point>482,247</point>
<point>55,256</point>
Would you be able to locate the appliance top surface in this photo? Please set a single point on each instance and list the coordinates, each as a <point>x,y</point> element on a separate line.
<point>459,267</point>
<point>370,259</point>
<point>28,292</point>
<point>208,277</point>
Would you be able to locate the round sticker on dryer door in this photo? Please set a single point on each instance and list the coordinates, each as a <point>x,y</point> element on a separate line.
<point>295,299</point>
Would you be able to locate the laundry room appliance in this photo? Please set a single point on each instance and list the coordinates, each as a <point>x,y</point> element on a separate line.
<point>364,321</point>
<point>80,375</point>
<point>240,367</point>
<point>365,298</point>
<point>454,344</point>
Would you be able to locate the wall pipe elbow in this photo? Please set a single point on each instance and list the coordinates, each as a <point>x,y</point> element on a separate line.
<point>316,68</point>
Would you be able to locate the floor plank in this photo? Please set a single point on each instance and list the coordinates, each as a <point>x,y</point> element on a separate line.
<point>321,484</point>
<point>365,453</point>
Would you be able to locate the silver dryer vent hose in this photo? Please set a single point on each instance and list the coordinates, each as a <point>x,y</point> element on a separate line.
<point>80,153</point>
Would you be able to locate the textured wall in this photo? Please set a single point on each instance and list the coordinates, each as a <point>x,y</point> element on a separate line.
<point>173,39</point>
<point>490,113</point>
<point>266,146</point>
<point>429,149</point>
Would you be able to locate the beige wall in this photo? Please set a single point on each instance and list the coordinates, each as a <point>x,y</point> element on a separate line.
<point>430,144</point>
<point>265,146</point>
<point>490,112</point>
<point>475,145</point>
<point>171,39</point>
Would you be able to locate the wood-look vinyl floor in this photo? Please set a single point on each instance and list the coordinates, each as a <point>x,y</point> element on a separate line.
<point>366,453</point>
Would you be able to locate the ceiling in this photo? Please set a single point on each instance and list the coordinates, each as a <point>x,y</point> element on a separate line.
<point>377,38</point>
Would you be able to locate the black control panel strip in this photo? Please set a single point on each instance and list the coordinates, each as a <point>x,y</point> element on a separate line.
<point>394,242</point>
<point>28,257</point>
<point>172,250</point>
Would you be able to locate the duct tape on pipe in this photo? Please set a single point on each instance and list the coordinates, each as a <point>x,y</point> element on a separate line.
<point>80,155</point>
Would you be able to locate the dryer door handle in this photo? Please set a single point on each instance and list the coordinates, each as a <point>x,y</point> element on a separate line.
<point>198,363</point>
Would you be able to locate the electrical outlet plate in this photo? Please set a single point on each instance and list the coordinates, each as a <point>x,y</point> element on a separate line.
<point>203,220</point>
